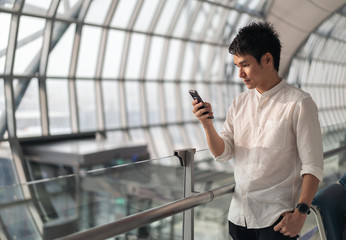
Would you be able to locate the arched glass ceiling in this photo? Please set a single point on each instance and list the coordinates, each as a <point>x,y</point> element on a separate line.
<point>319,67</point>
<point>120,67</point>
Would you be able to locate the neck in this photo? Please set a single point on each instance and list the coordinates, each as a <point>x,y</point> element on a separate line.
<point>272,82</point>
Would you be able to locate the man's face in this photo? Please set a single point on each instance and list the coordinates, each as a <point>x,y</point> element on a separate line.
<point>251,72</point>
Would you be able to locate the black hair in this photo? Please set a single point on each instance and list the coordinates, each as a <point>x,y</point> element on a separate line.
<point>257,39</point>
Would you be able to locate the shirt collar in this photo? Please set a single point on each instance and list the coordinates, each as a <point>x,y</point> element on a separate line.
<point>273,89</point>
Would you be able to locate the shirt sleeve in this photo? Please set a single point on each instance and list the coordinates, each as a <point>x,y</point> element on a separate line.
<point>309,138</point>
<point>227,135</point>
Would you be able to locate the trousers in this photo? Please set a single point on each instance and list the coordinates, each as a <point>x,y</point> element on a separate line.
<point>268,233</point>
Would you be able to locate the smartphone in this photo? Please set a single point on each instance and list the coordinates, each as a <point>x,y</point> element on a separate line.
<point>194,94</point>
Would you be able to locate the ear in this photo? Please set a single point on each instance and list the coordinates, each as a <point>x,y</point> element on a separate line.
<point>268,58</point>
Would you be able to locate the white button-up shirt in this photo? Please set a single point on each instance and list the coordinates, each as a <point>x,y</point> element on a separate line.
<point>275,138</point>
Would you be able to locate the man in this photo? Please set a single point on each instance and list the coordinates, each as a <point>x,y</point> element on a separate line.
<point>273,133</point>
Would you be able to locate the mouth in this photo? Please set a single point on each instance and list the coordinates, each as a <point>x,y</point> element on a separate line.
<point>246,81</point>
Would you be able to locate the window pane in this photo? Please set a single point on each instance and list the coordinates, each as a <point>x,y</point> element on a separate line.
<point>86,105</point>
<point>2,100</point>
<point>133,103</point>
<point>172,59</point>
<point>146,15</point>
<point>135,57</point>
<point>170,101</point>
<point>153,102</point>
<point>60,57</point>
<point>97,11</point>
<point>188,60</point>
<point>184,18</point>
<point>160,143</point>
<point>89,48</point>
<point>111,103</point>
<point>186,102</point>
<point>123,13</point>
<point>66,6</point>
<point>37,6</point>
<point>154,60</point>
<point>28,111</point>
<point>29,45</point>
<point>58,106</point>
<point>137,135</point>
<point>114,52</point>
<point>5,20</point>
<point>166,16</point>
<point>177,138</point>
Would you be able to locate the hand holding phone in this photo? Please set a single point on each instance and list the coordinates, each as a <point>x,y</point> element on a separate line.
<point>194,94</point>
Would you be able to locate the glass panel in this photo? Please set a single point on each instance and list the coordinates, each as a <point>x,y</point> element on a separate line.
<point>166,16</point>
<point>203,61</point>
<point>173,59</point>
<point>97,11</point>
<point>58,106</point>
<point>186,101</point>
<point>60,57</point>
<point>111,103</point>
<point>160,143</point>
<point>216,54</point>
<point>215,174</point>
<point>135,57</point>
<point>19,223</point>
<point>86,105</point>
<point>138,135</point>
<point>146,15</point>
<point>29,44</point>
<point>196,135</point>
<point>5,20</point>
<point>123,13</point>
<point>133,101</point>
<point>188,61</point>
<point>155,55</point>
<point>169,228</point>
<point>215,24</point>
<point>210,220</point>
<point>2,100</point>
<point>199,24</point>
<point>74,203</point>
<point>65,8</point>
<point>7,4</point>
<point>28,112</point>
<point>184,18</point>
<point>171,101</point>
<point>153,102</point>
<point>88,52</point>
<point>38,7</point>
<point>114,52</point>
<point>176,133</point>
<point>8,174</point>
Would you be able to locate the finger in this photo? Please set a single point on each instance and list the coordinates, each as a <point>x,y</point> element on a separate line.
<point>277,227</point>
<point>197,107</point>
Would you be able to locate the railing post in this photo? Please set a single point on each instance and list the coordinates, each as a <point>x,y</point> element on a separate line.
<point>186,157</point>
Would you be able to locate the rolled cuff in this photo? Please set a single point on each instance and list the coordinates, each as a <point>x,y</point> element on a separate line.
<point>318,173</point>
<point>225,156</point>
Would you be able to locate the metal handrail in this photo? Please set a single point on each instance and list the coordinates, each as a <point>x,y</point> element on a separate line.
<point>149,216</point>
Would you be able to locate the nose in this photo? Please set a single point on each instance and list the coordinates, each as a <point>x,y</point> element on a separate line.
<point>242,74</point>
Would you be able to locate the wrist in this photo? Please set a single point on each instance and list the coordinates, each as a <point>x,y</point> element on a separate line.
<point>303,208</point>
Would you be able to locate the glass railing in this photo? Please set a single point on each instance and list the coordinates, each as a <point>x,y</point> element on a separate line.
<point>54,207</point>
<point>59,206</point>
<point>77,202</point>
